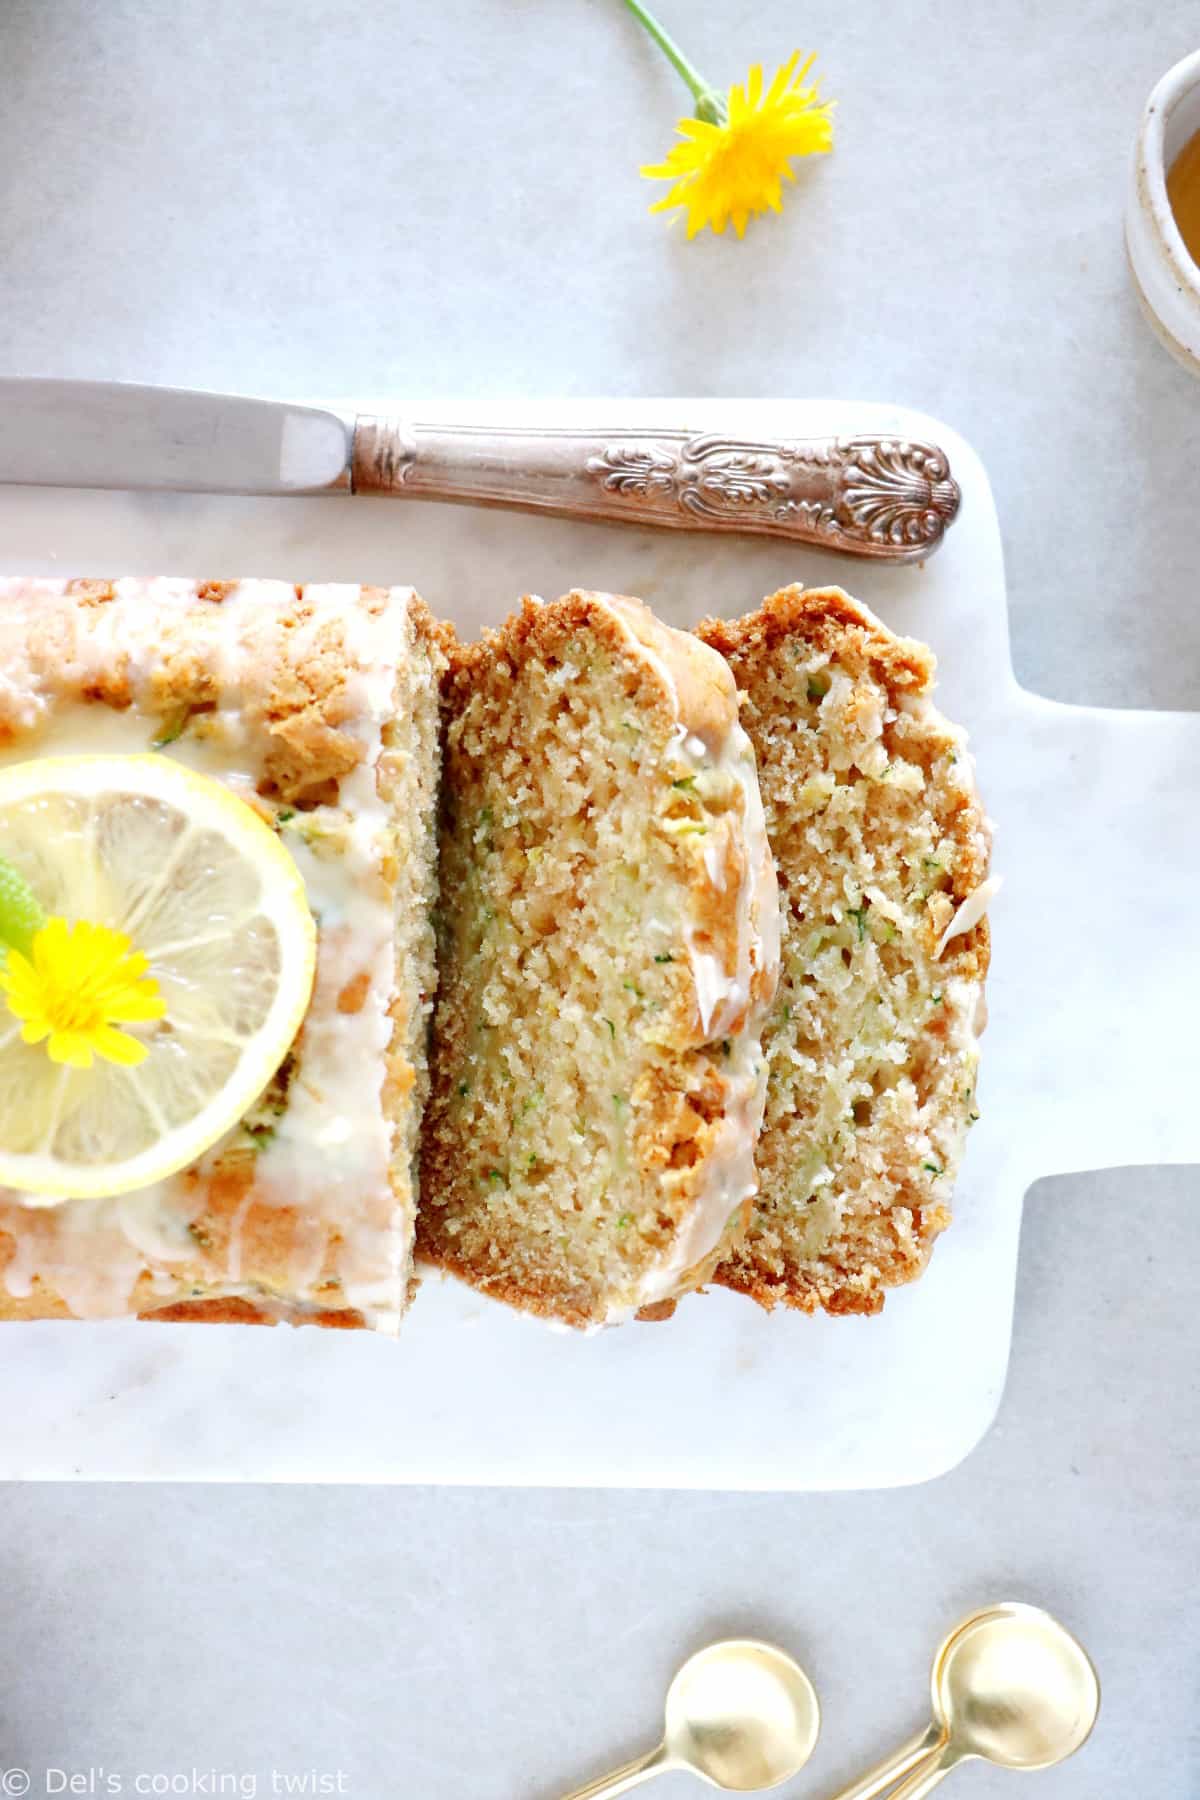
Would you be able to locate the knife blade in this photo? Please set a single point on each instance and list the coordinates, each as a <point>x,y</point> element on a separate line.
<point>110,434</point>
<point>890,498</point>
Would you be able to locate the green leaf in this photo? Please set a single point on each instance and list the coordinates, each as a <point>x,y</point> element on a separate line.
<point>21,915</point>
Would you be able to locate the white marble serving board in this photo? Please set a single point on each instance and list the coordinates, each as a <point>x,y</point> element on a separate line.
<point>1089,1058</point>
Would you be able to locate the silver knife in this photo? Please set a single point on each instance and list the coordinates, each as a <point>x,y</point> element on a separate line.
<point>885,497</point>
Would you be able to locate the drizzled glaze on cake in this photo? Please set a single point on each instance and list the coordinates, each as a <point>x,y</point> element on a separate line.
<point>290,697</point>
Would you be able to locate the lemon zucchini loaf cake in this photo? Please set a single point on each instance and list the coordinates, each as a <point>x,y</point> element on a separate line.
<point>317,707</point>
<point>608,944</point>
<point>882,850</point>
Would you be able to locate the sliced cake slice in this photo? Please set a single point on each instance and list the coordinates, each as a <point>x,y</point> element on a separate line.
<point>318,707</point>
<point>882,851</point>
<point>608,944</point>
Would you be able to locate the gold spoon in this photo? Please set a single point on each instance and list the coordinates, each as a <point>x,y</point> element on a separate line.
<point>1010,1686</point>
<point>740,1714</point>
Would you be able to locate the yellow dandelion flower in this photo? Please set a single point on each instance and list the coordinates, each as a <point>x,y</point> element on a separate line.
<point>737,151</point>
<point>75,986</point>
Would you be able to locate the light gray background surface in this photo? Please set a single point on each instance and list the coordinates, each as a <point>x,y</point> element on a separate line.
<point>310,197</point>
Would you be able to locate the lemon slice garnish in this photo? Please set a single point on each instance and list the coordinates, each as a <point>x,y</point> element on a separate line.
<point>208,895</point>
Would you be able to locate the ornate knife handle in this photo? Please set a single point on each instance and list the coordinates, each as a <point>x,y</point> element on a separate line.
<point>872,496</point>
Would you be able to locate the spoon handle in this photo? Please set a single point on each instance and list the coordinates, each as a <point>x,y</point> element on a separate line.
<point>893,1768</point>
<point>924,1777</point>
<point>642,1768</point>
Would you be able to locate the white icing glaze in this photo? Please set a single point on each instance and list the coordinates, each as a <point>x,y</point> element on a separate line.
<point>330,1156</point>
<point>730,1175</point>
<point>969,912</point>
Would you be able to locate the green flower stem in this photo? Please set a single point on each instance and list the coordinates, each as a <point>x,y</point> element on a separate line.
<point>710,105</point>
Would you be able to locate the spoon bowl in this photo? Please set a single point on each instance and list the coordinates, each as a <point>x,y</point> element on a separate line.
<point>1010,1686</point>
<point>740,1714</point>
<point>1013,1687</point>
<point>743,1715</point>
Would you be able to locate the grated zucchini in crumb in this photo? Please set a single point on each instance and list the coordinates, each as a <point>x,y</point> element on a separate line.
<point>576,1099</point>
<point>871,1041</point>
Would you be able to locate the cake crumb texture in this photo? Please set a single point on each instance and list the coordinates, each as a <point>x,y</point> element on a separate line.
<point>587,1149</point>
<point>879,838</point>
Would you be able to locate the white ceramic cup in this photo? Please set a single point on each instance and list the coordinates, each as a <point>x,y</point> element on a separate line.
<point>1166,278</point>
